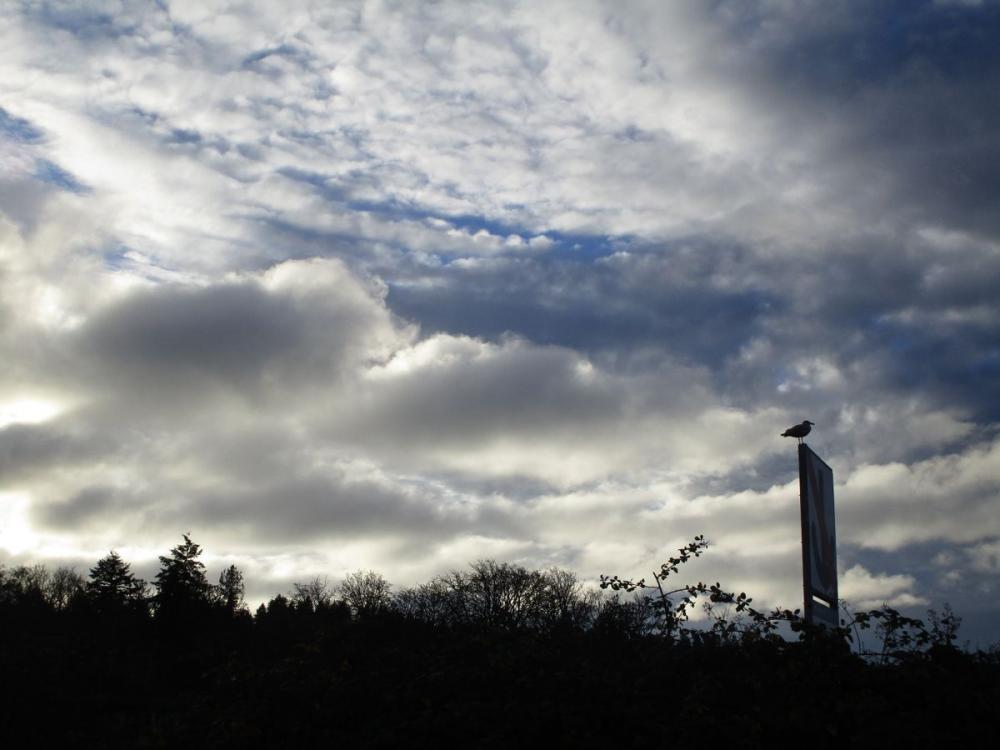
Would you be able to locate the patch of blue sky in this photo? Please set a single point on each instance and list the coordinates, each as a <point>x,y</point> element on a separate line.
<point>322,184</point>
<point>194,141</point>
<point>84,21</point>
<point>18,129</point>
<point>123,258</point>
<point>184,136</point>
<point>307,242</point>
<point>147,116</point>
<point>569,246</point>
<point>53,174</point>
<point>902,343</point>
<point>283,50</point>
<point>564,245</point>
<point>117,258</point>
<point>308,137</point>
<point>925,560</point>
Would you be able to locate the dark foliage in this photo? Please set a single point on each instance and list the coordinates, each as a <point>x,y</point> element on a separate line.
<point>485,657</point>
<point>182,589</point>
<point>113,588</point>
<point>230,590</point>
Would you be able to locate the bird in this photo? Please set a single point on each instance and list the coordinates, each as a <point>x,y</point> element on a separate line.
<point>799,431</point>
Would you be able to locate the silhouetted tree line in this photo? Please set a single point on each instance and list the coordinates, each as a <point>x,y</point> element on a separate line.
<point>485,656</point>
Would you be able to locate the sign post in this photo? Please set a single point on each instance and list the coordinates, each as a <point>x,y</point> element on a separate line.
<point>819,540</point>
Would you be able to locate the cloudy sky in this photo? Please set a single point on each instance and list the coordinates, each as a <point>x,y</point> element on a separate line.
<point>403,285</point>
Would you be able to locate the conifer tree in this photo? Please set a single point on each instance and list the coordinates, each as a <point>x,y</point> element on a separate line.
<point>230,590</point>
<point>181,585</point>
<point>113,584</point>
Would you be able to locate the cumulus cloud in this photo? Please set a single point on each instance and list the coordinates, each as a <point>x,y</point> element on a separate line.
<point>865,590</point>
<point>944,497</point>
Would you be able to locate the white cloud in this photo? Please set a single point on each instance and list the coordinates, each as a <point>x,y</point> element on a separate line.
<point>985,557</point>
<point>866,590</point>
<point>947,497</point>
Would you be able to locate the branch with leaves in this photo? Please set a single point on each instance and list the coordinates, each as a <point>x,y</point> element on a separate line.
<point>902,637</point>
<point>673,615</point>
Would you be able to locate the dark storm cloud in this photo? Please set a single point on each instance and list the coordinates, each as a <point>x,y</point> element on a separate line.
<point>465,391</point>
<point>340,508</point>
<point>232,333</point>
<point>841,48</point>
<point>904,82</point>
<point>29,450</point>
<point>329,506</point>
<point>90,505</point>
<point>909,320</point>
<point>244,335</point>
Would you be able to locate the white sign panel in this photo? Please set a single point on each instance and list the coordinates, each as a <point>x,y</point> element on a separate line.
<point>819,535</point>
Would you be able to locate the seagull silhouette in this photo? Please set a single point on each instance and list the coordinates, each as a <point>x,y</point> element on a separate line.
<point>799,431</point>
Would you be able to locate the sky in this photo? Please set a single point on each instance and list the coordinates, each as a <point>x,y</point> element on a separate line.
<point>401,286</point>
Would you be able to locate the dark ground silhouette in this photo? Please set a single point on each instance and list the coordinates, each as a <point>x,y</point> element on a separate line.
<point>485,657</point>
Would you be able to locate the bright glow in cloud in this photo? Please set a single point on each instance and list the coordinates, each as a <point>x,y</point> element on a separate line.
<point>16,533</point>
<point>27,411</point>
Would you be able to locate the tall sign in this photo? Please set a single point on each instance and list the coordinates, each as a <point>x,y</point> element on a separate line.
<point>819,539</point>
